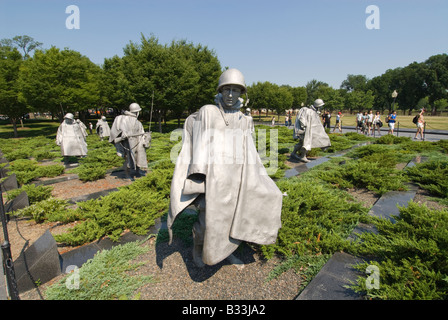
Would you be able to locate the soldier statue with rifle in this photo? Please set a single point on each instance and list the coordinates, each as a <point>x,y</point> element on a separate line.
<point>131,140</point>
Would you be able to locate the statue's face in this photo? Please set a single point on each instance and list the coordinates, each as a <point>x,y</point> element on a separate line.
<point>69,121</point>
<point>230,95</point>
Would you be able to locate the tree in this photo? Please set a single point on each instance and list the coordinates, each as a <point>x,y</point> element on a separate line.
<point>359,100</point>
<point>283,99</point>
<point>312,90</point>
<point>440,105</point>
<point>381,91</point>
<point>299,97</point>
<point>114,90</point>
<point>59,81</point>
<point>10,102</point>
<point>333,99</point>
<point>354,82</point>
<point>437,78</point>
<point>25,43</point>
<point>181,76</point>
<point>206,66</point>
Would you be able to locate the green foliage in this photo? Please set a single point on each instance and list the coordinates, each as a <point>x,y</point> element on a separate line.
<point>133,207</point>
<point>27,170</point>
<point>411,255</point>
<point>51,209</point>
<point>161,146</point>
<point>308,266</point>
<point>432,176</point>
<point>443,145</point>
<point>315,218</point>
<point>105,277</point>
<point>391,139</point>
<point>100,157</point>
<point>54,79</point>
<point>363,174</point>
<point>182,227</point>
<point>35,193</point>
<point>90,172</point>
<point>39,148</point>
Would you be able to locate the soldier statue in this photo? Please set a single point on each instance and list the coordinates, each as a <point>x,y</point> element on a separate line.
<point>309,131</point>
<point>71,138</point>
<point>131,140</point>
<point>219,170</point>
<point>102,128</point>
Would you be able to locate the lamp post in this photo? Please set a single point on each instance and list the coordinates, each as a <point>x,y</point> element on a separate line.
<point>394,95</point>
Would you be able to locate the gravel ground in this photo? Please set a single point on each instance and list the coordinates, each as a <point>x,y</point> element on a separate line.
<point>177,277</point>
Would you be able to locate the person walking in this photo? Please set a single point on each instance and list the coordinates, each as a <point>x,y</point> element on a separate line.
<point>420,124</point>
<point>377,123</point>
<point>370,123</point>
<point>392,119</point>
<point>358,121</point>
<point>338,122</point>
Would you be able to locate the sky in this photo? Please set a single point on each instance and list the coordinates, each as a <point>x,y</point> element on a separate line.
<point>286,42</point>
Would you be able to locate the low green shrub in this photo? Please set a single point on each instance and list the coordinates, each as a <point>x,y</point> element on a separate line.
<point>50,171</point>
<point>443,145</point>
<point>316,218</point>
<point>363,174</point>
<point>35,193</point>
<point>134,207</point>
<point>90,172</point>
<point>391,139</point>
<point>410,254</point>
<point>26,170</point>
<point>51,209</point>
<point>105,277</point>
<point>432,176</point>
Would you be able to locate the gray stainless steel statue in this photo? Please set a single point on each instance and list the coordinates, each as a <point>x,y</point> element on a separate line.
<point>309,131</point>
<point>130,139</point>
<point>219,171</point>
<point>83,128</point>
<point>71,137</point>
<point>102,128</point>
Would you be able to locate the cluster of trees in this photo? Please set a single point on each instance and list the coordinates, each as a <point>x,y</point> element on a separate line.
<point>177,78</point>
<point>163,79</point>
<point>419,85</point>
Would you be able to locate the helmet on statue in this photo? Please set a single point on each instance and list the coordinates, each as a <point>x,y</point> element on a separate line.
<point>318,103</point>
<point>232,76</point>
<point>134,107</point>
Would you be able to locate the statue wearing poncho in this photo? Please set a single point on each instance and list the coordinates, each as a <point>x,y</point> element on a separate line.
<point>102,128</point>
<point>130,139</point>
<point>71,138</point>
<point>309,130</point>
<point>219,169</point>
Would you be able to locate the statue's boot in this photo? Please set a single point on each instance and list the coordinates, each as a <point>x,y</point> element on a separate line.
<point>236,262</point>
<point>294,152</point>
<point>302,156</point>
